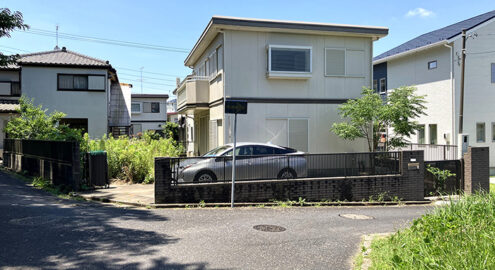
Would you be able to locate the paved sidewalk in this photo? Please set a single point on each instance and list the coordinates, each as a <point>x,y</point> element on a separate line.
<point>137,194</point>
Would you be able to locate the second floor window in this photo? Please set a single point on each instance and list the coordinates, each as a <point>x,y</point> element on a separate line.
<point>136,107</point>
<point>151,107</point>
<point>80,82</point>
<point>289,59</point>
<point>10,89</point>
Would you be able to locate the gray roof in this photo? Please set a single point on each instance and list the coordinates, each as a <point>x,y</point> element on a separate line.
<point>61,57</point>
<point>438,35</point>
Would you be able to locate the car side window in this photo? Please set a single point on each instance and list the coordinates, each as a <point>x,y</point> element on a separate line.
<point>245,151</point>
<point>279,151</point>
<point>241,151</point>
<point>262,150</point>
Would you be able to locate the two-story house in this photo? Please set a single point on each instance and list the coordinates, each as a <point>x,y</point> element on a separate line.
<point>77,85</point>
<point>293,75</point>
<point>149,112</point>
<point>432,63</point>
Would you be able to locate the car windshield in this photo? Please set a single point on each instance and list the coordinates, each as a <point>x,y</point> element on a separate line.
<point>215,152</point>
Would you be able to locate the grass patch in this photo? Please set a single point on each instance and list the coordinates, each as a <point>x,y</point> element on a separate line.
<point>492,188</point>
<point>459,235</point>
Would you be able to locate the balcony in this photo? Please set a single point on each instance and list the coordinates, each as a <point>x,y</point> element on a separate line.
<point>193,93</point>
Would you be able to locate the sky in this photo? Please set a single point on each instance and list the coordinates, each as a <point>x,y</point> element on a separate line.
<point>178,24</point>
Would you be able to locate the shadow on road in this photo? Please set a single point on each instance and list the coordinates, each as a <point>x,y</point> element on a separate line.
<point>38,230</point>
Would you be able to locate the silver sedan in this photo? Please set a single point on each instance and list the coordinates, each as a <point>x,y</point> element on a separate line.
<point>254,161</point>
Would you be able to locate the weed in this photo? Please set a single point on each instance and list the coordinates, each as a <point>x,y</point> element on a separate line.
<point>301,201</point>
<point>457,236</point>
<point>260,205</point>
<point>202,204</point>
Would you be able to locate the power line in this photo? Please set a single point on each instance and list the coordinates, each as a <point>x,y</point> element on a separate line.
<point>149,72</point>
<point>145,82</point>
<point>123,68</point>
<point>42,32</point>
<point>146,77</point>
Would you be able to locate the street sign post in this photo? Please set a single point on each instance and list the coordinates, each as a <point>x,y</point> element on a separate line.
<point>235,107</point>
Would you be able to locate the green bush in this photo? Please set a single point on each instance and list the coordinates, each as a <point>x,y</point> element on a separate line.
<point>460,235</point>
<point>132,159</point>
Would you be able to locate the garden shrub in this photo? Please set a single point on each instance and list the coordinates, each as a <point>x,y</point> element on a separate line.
<point>132,159</point>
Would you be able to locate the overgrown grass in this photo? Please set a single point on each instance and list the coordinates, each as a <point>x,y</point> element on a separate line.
<point>132,159</point>
<point>460,235</point>
<point>492,187</point>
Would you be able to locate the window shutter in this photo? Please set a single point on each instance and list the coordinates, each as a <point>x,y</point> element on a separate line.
<point>146,107</point>
<point>334,62</point>
<point>213,142</point>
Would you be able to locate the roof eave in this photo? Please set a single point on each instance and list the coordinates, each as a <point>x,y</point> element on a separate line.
<point>409,52</point>
<point>217,24</point>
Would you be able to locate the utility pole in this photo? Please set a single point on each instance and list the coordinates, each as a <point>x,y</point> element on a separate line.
<point>463,68</point>
<point>141,69</point>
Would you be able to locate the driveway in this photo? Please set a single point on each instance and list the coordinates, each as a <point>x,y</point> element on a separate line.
<point>38,230</point>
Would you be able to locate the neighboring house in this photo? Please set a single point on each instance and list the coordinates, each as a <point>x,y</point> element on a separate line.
<point>65,81</point>
<point>119,119</point>
<point>172,114</point>
<point>149,112</point>
<point>293,74</point>
<point>432,62</point>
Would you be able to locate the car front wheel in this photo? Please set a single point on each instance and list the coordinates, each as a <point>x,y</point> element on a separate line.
<point>205,176</point>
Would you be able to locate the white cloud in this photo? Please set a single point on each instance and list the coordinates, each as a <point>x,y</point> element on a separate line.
<point>420,12</point>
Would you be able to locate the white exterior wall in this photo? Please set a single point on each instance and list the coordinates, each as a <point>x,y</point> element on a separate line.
<point>152,121</point>
<point>245,76</point>
<point>40,83</point>
<point>434,84</point>
<point>479,92</point>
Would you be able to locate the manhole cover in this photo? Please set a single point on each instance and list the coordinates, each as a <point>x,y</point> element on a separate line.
<point>269,228</point>
<point>355,216</point>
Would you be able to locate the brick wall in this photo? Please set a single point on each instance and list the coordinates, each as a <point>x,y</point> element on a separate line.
<point>476,170</point>
<point>409,185</point>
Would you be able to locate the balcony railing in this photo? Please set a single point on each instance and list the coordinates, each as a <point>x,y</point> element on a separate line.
<point>193,90</point>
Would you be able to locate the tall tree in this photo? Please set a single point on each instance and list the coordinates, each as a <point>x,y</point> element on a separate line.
<point>10,21</point>
<point>368,116</point>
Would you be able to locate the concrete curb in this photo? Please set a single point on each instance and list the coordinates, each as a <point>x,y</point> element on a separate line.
<point>247,204</point>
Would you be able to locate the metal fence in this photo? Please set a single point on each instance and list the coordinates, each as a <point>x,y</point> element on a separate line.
<point>434,152</point>
<point>219,169</point>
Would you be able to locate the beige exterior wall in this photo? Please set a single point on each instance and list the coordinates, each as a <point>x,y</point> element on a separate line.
<point>434,84</point>
<point>245,76</point>
<point>40,83</point>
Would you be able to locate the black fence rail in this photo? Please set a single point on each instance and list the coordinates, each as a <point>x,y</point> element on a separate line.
<point>434,152</point>
<point>219,169</point>
<point>58,161</point>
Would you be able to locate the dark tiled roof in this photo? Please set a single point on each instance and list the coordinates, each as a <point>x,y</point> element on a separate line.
<point>149,96</point>
<point>438,35</point>
<point>61,57</point>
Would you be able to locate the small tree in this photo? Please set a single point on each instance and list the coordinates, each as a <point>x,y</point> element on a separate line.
<point>440,177</point>
<point>10,21</point>
<point>368,116</point>
<point>34,123</point>
<point>172,131</point>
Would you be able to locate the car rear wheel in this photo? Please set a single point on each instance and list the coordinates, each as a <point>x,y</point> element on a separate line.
<point>205,176</point>
<point>287,173</point>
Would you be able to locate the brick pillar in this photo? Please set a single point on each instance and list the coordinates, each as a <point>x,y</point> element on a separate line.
<point>163,179</point>
<point>411,186</point>
<point>476,170</point>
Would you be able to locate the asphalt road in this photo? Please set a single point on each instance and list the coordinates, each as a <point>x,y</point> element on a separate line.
<point>38,230</point>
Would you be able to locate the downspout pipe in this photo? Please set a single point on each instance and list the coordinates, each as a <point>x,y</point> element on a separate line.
<point>453,139</point>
